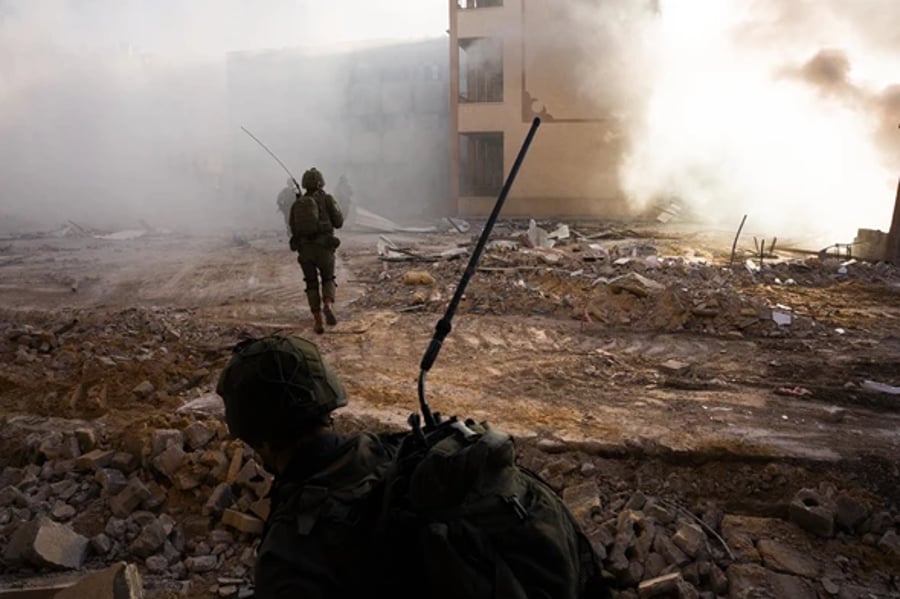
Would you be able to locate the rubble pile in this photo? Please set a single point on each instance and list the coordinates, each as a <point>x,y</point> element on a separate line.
<point>620,283</point>
<point>89,365</point>
<point>184,504</point>
<point>653,547</point>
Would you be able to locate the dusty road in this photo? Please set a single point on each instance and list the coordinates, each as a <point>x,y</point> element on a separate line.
<point>690,391</point>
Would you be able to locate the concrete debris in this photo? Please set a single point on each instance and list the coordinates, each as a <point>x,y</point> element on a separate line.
<point>128,500</point>
<point>163,438</point>
<point>582,500</point>
<point>418,277</point>
<point>144,389</point>
<point>44,543</point>
<point>809,511</point>
<point>120,581</point>
<point>635,283</point>
<point>150,540</point>
<point>242,522</point>
<point>202,563</point>
<point>782,558</point>
<point>877,387</point>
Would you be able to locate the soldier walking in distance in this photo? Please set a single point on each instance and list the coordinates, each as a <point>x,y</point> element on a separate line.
<point>314,217</point>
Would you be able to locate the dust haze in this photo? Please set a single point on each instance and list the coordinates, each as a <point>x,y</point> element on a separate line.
<point>786,110</point>
<point>114,112</point>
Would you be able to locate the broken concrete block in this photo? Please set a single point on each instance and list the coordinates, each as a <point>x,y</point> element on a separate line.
<point>261,508</point>
<point>169,461</point>
<point>198,435</point>
<point>849,512</point>
<point>120,581</point>
<point>890,542</point>
<point>101,544</point>
<point>220,499</point>
<point>124,462</point>
<point>57,446</point>
<point>13,496</point>
<point>111,481</point>
<point>582,500</point>
<point>782,558</point>
<point>62,511</point>
<point>242,522</point>
<point>690,538</point>
<point>252,476</point>
<point>658,513</point>
<point>129,499</point>
<point>156,498</point>
<point>654,565</point>
<point>674,367</point>
<point>86,438</point>
<point>189,478</point>
<point>151,539</point>
<point>163,438</point>
<point>664,546</point>
<point>144,389</point>
<point>94,460</point>
<point>636,502</point>
<point>234,467</point>
<point>636,284</point>
<point>808,511</point>
<point>45,543</point>
<point>661,585</point>
<point>156,564</point>
<point>116,528</point>
<point>748,581</point>
<point>202,563</point>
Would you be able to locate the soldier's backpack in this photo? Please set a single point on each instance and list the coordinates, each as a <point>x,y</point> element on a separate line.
<point>462,519</point>
<point>309,217</point>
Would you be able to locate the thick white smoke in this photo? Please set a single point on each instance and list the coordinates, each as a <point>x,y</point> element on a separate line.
<point>780,109</point>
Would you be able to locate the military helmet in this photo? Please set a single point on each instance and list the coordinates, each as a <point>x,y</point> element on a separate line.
<point>313,179</point>
<point>277,387</point>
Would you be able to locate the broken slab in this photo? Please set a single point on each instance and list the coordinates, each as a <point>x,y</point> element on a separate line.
<point>119,581</point>
<point>44,543</point>
<point>783,558</point>
<point>749,581</point>
<point>809,511</point>
<point>636,284</point>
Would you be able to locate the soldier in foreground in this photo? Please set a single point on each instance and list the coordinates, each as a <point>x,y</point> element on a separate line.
<point>313,218</point>
<point>285,200</point>
<point>377,515</point>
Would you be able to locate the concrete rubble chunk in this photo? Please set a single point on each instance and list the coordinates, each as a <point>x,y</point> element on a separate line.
<point>144,389</point>
<point>111,481</point>
<point>62,511</point>
<point>661,585</point>
<point>809,511</point>
<point>198,435</point>
<point>13,496</point>
<point>674,367</point>
<point>119,581</point>
<point>782,558</point>
<point>151,539</point>
<point>261,508</point>
<point>116,528</point>
<point>202,563</point>
<point>849,513</point>
<point>220,499</point>
<point>658,513</point>
<point>654,565</point>
<point>750,581</point>
<point>123,504</point>
<point>156,564</point>
<point>101,544</point>
<point>636,284</point>
<point>690,538</point>
<point>124,462</point>
<point>94,460</point>
<point>242,522</point>
<point>664,546</point>
<point>45,543</point>
<point>163,438</point>
<point>581,499</point>
<point>636,502</point>
<point>234,467</point>
<point>87,439</point>
<point>890,542</point>
<point>169,461</point>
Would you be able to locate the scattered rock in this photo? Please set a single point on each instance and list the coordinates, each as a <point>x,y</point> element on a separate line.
<point>45,543</point>
<point>636,284</point>
<point>661,585</point>
<point>144,390</point>
<point>101,544</point>
<point>157,564</point>
<point>123,504</point>
<point>849,513</point>
<point>94,460</point>
<point>202,563</point>
<point>111,481</point>
<point>63,511</point>
<point>750,581</point>
<point>220,499</point>
<point>169,461</point>
<point>151,539</point>
<point>198,435</point>
<point>690,538</point>
<point>242,522</point>
<point>785,559</point>
<point>582,500</point>
<point>808,511</point>
<point>418,277</point>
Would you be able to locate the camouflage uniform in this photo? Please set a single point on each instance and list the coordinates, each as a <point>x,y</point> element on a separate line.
<point>315,253</point>
<point>317,541</point>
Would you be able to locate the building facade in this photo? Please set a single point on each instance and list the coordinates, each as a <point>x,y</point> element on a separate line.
<point>512,60</point>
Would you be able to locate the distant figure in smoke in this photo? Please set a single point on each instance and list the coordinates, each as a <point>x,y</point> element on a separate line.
<point>314,217</point>
<point>285,200</point>
<point>343,193</point>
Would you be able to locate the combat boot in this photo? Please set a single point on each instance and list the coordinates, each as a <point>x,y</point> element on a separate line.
<point>318,327</point>
<point>329,314</point>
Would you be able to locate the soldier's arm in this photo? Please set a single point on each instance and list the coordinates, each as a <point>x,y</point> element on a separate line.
<point>334,212</point>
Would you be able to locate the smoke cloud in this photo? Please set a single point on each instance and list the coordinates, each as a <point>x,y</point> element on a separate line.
<point>781,109</point>
<point>113,111</point>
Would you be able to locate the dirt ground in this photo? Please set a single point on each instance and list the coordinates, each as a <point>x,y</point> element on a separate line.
<point>693,391</point>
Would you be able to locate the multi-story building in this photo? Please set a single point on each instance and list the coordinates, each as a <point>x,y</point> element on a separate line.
<point>512,60</point>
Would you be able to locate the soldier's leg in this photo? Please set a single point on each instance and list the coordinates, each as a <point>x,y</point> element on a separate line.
<point>329,288</point>
<point>311,276</point>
